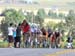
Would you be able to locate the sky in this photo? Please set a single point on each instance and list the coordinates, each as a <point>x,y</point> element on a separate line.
<point>54,2</point>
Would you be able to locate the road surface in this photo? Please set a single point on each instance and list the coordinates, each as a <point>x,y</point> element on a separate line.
<point>36,52</point>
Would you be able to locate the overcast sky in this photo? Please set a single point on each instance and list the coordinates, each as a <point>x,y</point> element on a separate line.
<point>56,0</point>
<point>54,3</point>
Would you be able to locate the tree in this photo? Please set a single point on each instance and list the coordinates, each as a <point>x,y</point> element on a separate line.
<point>52,14</point>
<point>61,15</point>
<point>40,16</point>
<point>36,19</point>
<point>20,16</point>
<point>61,27</point>
<point>52,25</point>
<point>11,16</point>
<point>70,21</point>
<point>41,13</point>
<point>4,28</point>
<point>30,17</point>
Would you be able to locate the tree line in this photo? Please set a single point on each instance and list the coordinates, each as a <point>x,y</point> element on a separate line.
<point>11,15</point>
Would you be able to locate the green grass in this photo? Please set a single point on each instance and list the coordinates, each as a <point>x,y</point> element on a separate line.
<point>74,43</point>
<point>65,42</point>
<point>3,44</point>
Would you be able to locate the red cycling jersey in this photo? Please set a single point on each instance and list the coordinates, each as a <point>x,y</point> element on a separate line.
<point>25,28</point>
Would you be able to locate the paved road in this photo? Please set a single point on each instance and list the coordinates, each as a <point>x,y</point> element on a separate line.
<point>35,52</point>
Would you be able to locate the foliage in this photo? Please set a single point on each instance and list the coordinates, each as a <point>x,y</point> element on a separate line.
<point>52,14</point>
<point>40,16</point>
<point>61,26</point>
<point>11,15</point>
<point>52,25</point>
<point>61,15</point>
<point>4,28</point>
<point>70,21</point>
<point>36,19</point>
<point>41,13</point>
<point>30,16</point>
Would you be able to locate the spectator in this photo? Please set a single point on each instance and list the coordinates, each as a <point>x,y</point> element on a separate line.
<point>14,33</point>
<point>69,40</point>
<point>18,36</point>
<point>10,35</point>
